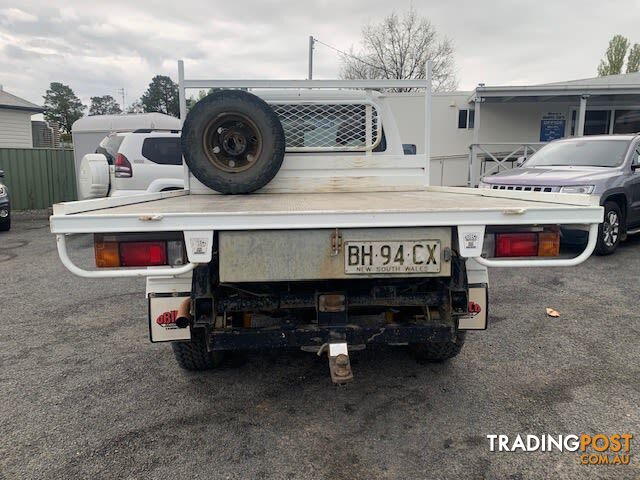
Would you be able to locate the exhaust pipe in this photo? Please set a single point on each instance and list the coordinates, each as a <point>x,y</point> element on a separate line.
<point>183,318</point>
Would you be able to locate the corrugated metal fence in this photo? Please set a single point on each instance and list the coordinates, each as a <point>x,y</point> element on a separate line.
<point>38,177</point>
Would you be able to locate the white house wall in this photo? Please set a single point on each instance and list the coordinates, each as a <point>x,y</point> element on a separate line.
<point>15,129</point>
<point>449,144</point>
<point>518,122</point>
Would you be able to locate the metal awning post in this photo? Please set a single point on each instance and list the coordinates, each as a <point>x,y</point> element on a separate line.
<point>582,112</point>
<point>471,163</point>
<point>427,123</point>
<point>474,173</point>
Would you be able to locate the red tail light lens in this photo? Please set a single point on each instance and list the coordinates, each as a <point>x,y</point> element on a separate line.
<point>114,252</point>
<point>516,244</point>
<point>122,167</point>
<point>143,254</point>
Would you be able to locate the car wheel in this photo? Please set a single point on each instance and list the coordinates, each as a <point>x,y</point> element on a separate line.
<point>5,223</point>
<point>436,352</point>
<point>439,351</point>
<point>610,230</point>
<point>194,355</point>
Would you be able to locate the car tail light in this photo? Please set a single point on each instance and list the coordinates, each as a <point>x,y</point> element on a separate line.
<point>548,244</point>
<point>516,244</point>
<point>123,167</point>
<point>141,254</point>
<point>144,253</point>
<point>107,254</point>
<point>527,244</point>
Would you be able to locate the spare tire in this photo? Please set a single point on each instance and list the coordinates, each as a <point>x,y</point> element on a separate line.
<point>233,142</point>
<point>93,177</point>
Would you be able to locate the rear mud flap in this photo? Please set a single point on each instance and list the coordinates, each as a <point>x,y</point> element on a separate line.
<point>163,312</point>
<point>478,309</point>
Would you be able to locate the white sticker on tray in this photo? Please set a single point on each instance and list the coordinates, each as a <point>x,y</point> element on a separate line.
<point>199,246</point>
<point>470,239</point>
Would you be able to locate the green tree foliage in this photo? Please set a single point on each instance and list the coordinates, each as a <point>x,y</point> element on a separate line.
<point>105,105</point>
<point>62,105</point>
<point>191,101</point>
<point>633,60</point>
<point>161,96</point>
<point>614,57</point>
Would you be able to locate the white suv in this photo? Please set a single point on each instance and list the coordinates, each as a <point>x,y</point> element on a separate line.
<point>126,163</point>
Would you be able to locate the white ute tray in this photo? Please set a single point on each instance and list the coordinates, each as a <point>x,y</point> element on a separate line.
<point>432,206</point>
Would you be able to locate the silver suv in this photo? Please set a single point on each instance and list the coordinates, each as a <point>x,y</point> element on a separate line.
<point>603,165</point>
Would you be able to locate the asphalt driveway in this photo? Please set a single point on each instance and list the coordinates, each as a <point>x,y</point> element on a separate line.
<point>85,395</point>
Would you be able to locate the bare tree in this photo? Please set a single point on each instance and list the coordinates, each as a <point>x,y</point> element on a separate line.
<point>398,47</point>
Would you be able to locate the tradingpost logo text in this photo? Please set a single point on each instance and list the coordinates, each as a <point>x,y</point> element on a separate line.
<point>598,449</point>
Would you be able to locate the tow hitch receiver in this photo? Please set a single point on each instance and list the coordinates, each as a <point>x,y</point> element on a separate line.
<point>339,364</point>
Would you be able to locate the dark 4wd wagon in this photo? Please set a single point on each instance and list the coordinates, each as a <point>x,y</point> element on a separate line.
<point>603,165</point>
<point>5,206</point>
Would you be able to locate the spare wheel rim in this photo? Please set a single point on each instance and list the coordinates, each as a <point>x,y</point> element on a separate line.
<point>232,142</point>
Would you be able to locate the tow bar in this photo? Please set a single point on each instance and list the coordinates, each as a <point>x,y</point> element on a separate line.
<point>339,364</point>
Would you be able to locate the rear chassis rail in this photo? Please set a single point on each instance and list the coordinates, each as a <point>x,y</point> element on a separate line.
<point>380,310</point>
<point>312,335</point>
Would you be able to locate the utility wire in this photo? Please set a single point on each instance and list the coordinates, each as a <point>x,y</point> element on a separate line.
<point>377,67</point>
<point>341,52</point>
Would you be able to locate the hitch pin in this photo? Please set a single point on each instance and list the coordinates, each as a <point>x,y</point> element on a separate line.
<point>339,364</point>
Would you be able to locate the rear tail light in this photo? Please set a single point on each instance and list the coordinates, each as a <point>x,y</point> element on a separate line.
<point>548,244</point>
<point>107,254</point>
<point>527,244</point>
<point>516,244</point>
<point>145,253</point>
<point>122,167</point>
<point>140,254</point>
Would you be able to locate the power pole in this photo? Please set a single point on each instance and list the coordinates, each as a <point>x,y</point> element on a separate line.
<point>121,92</point>
<point>311,42</point>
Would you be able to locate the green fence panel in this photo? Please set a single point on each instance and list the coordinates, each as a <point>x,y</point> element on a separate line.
<point>38,177</point>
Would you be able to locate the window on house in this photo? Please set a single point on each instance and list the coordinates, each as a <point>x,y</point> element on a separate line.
<point>626,121</point>
<point>466,118</point>
<point>596,122</point>
<point>462,118</point>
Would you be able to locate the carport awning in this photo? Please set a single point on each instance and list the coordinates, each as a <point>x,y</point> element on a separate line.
<point>598,92</point>
<point>594,99</point>
<point>614,87</point>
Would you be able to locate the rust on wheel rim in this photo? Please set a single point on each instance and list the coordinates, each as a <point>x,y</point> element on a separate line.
<point>232,142</point>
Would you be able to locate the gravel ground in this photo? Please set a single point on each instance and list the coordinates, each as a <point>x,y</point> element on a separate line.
<point>86,395</point>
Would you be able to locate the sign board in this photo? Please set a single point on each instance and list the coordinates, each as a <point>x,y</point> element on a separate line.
<point>552,126</point>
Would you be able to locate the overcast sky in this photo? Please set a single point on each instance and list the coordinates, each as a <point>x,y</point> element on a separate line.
<point>98,47</point>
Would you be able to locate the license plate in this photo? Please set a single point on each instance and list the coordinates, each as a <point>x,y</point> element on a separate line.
<point>407,256</point>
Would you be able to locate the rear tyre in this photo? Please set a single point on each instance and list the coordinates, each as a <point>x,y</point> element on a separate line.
<point>5,223</point>
<point>194,355</point>
<point>233,142</point>
<point>435,352</point>
<point>610,230</point>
